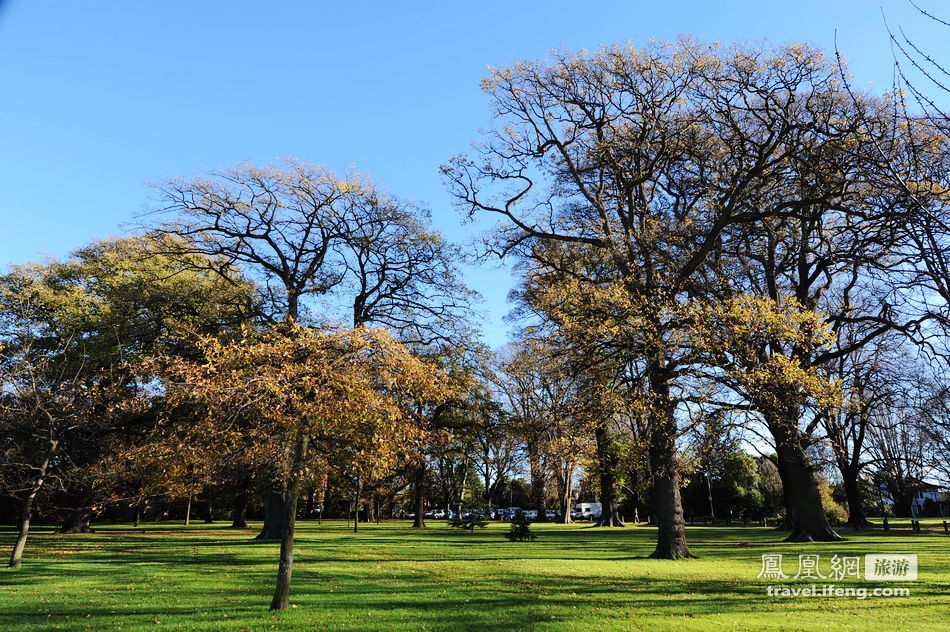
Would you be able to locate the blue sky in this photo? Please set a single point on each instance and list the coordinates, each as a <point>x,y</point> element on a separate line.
<point>99,98</point>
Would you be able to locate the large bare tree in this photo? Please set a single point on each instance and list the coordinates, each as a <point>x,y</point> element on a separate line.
<point>645,157</point>
<point>402,274</point>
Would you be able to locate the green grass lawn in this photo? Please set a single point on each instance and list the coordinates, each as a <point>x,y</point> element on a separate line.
<point>390,576</point>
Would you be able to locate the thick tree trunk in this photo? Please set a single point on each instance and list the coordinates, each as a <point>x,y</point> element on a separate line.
<point>419,497</point>
<point>671,528</point>
<point>800,491</point>
<point>852,491</point>
<point>668,507</point>
<point>607,468</point>
<point>76,521</point>
<point>209,511</point>
<point>274,514</point>
<point>274,510</point>
<point>902,496</point>
<point>239,510</point>
<point>281,599</point>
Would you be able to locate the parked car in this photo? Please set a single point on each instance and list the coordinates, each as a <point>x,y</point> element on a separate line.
<point>476,513</point>
<point>437,514</point>
<point>550,514</point>
<point>509,513</point>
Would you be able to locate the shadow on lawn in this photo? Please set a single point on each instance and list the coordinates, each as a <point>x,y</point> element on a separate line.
<point>518,603</point>
<point>178,572</point>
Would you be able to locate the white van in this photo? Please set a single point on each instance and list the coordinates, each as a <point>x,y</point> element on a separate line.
<point>587,511</point>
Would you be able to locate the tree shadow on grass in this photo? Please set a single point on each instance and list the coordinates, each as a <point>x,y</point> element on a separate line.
<point>435,579</point>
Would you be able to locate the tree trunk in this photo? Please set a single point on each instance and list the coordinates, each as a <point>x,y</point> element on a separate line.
<point>275,494</point>
<point>607,468</point>
<point>371,509</point>
<point>419,497</point>
<point>538,483</point>
<point>668,507</point>
<point>806,514</point>
<point>564,479</point>
<point>802,497</point>
<point>16,556</point>
<point>322,500</point>
<point>565,504</point>
<point>356,506</point>
<point>671,528</point>
<point>138,515</point>
<point>209,511</point>
<point>852,490</point>
<point>461,495</point>
<point>239,510</point>
<point>76,521</point>
<point>902,496</point>
<point>274,514</point>
<point>188,512</point>
<point>281,598</point>
<point>308,508</point>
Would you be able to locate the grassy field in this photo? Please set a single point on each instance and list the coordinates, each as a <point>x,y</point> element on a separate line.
<point>206,577</point>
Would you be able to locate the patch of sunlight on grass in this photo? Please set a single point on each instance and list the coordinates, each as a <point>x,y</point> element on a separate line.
<point>392,577</point>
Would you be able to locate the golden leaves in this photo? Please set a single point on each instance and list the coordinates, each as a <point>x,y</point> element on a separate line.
<point>355,392</point>
<point>761,344</point>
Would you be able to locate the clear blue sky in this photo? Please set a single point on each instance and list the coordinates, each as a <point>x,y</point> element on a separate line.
<point>98,98</point>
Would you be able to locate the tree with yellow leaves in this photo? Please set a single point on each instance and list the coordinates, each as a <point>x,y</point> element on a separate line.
<point>339,394</point>
<point>760,346</point>
<point>619,174</point>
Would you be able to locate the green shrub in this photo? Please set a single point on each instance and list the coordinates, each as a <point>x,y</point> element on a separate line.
<point>520,530</point>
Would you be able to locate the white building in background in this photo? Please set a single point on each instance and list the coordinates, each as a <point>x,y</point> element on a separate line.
<point>928,492</point>
<point>937,494</point>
